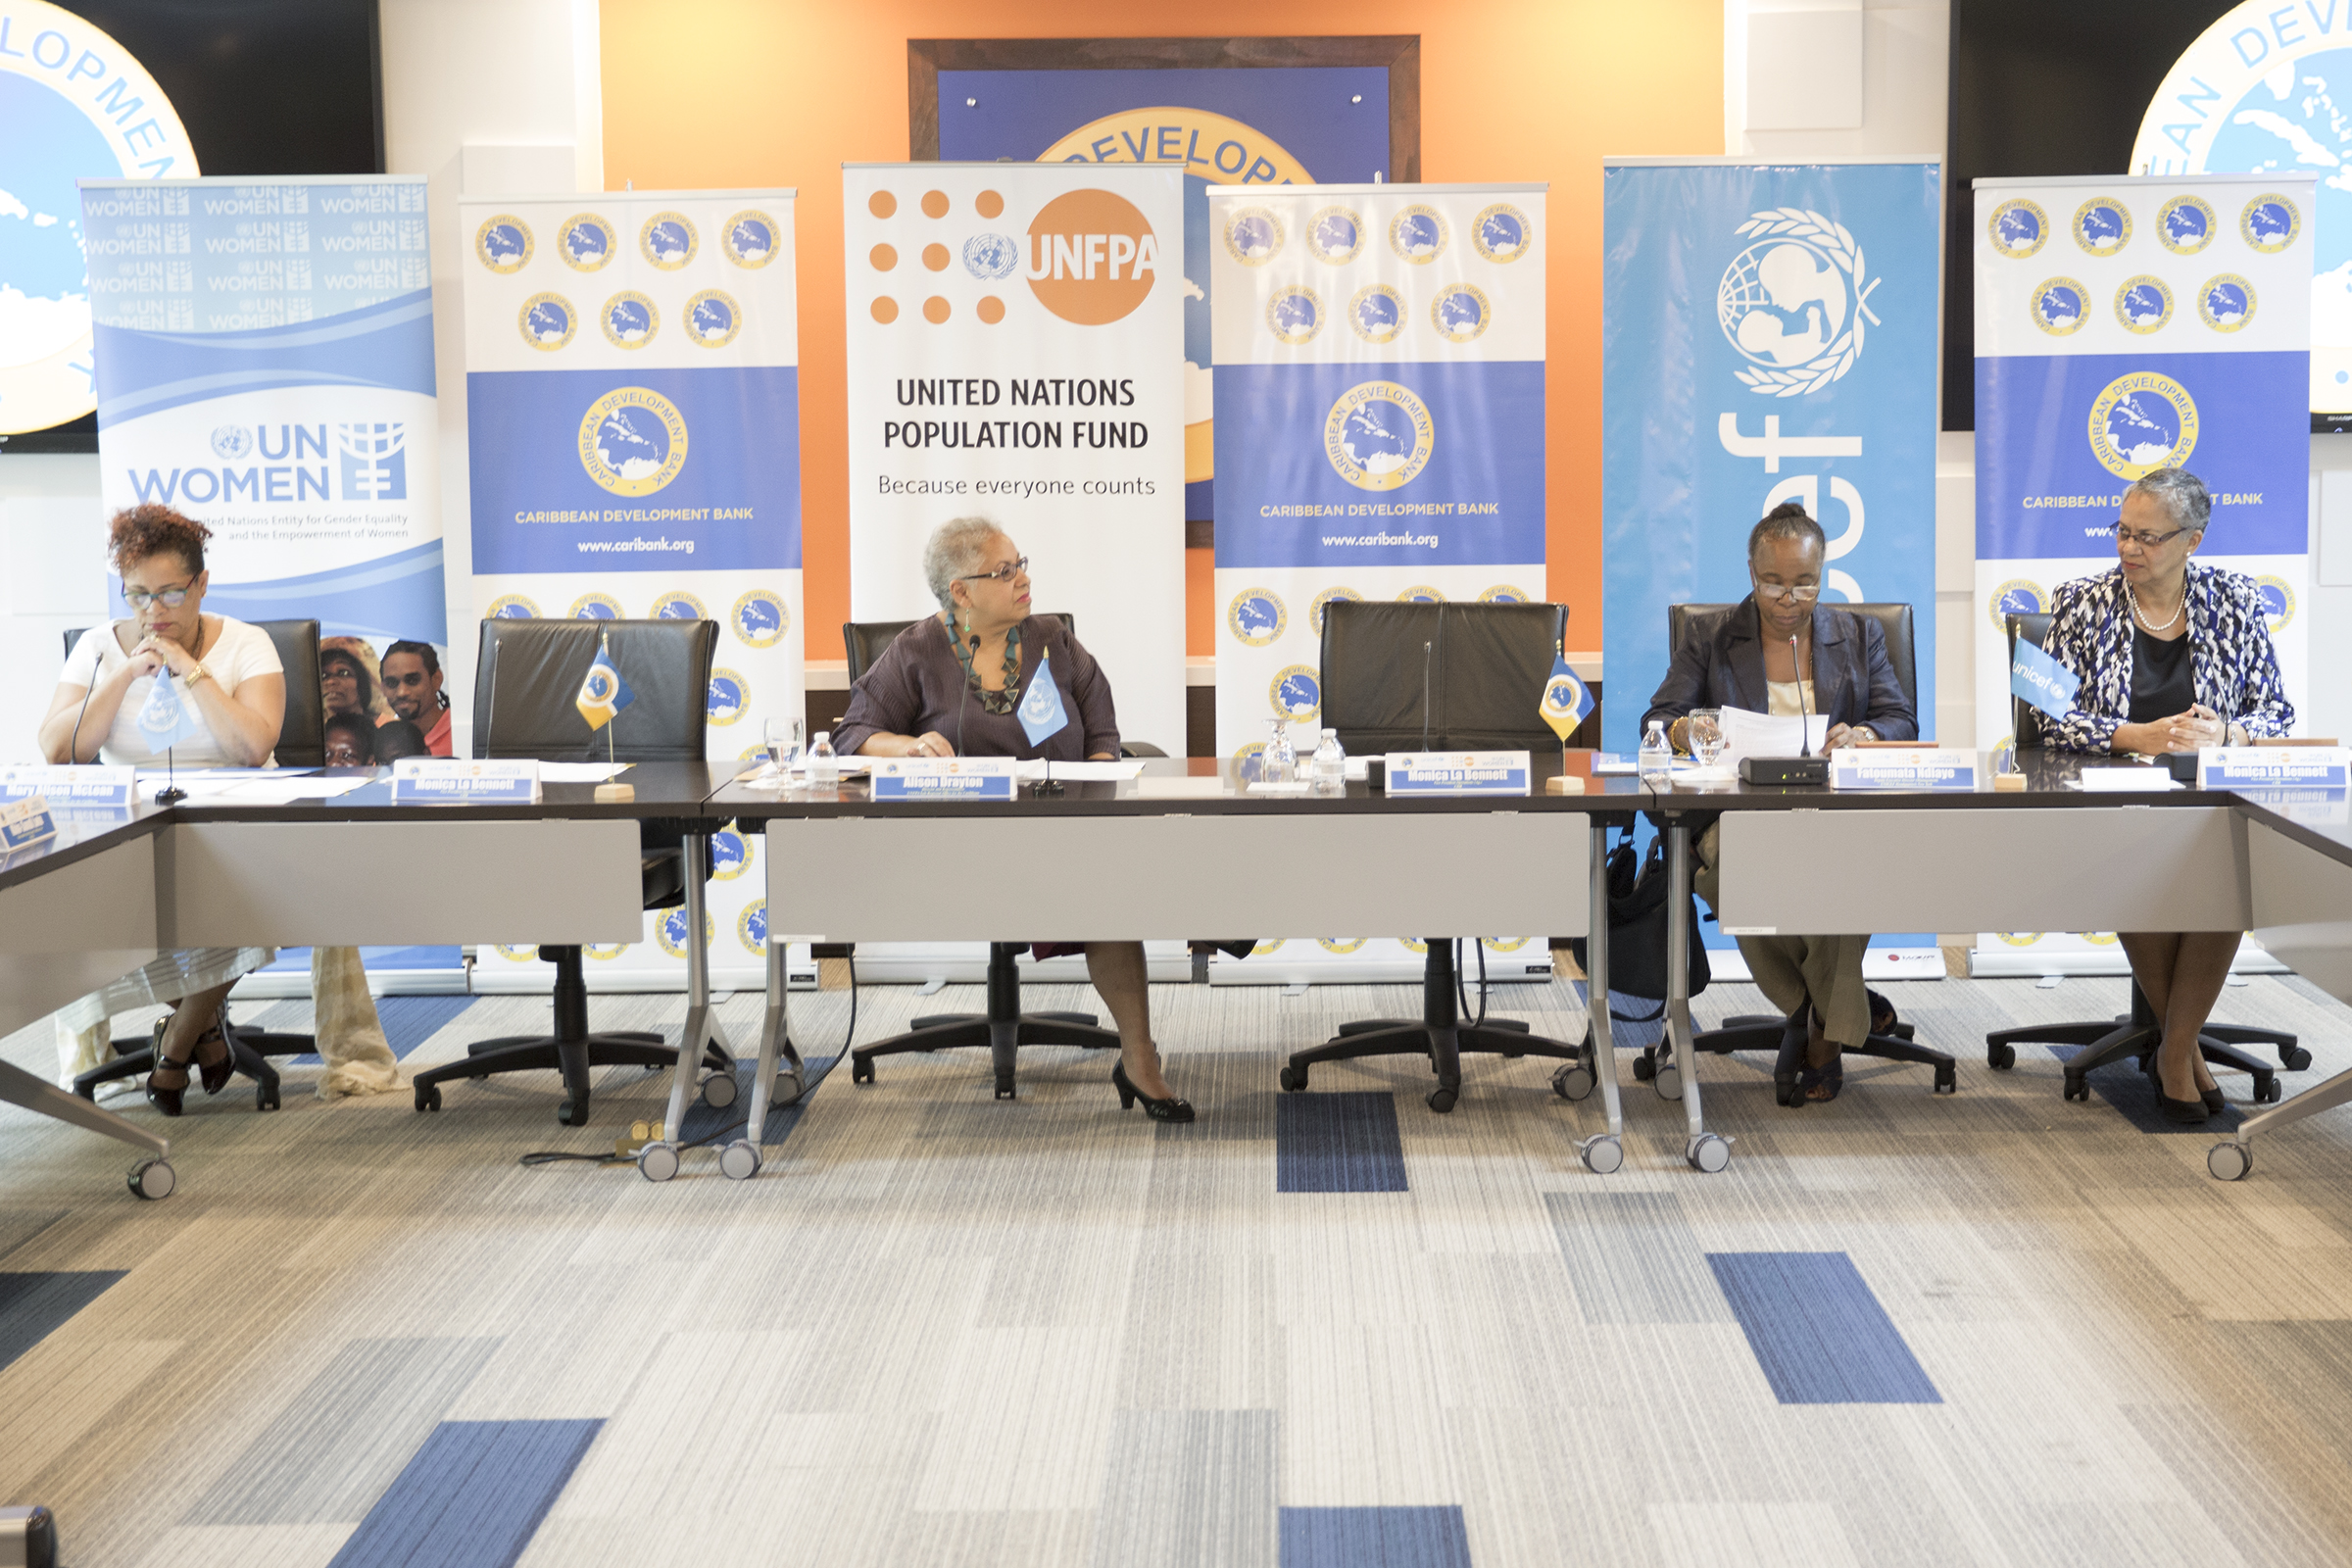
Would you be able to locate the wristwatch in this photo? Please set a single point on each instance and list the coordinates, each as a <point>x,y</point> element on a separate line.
<point>1864,730</point>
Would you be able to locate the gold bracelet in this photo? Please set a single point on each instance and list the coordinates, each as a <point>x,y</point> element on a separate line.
<point>196,673</point>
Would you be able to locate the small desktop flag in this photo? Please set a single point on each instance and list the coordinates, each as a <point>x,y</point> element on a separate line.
<point>1041,713</point>
<point>604,694</point>
<point>2041,680</point>
<point>1565,700</point>
<point>163,718</point>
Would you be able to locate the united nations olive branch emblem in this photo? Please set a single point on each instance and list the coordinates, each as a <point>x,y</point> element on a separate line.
<point>1838,245</point>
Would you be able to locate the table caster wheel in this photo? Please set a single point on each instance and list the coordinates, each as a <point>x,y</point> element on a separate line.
<point>2078,1088</point>
<point>860,1072</point>
<point>1708,1152</point>
<point>1603,1154</point>
<point>265,1098</point>
<point>788,1091</point>
<point>719,1090</point>
<point>2000,1058</point>
<point>429,1097</point>
<point>1442,1100</point>
<point>2268,1090</point>
<point>1005,1089</point>
<point>1646,1065</point>
<point>1573,1082</point>
<point>1785,1092</point>
<point>152,1179</point>
<point>2230,1162</point>
<point>739,1162</point>
<point>1293,1079</point>
<point>1669,1081</point>
<point>1947,1080</point>
<point>2294,1059</point>
<point>571,1115</point>
<point>657,1162</point>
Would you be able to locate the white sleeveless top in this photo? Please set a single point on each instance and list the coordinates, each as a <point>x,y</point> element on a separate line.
<point>238,653</point>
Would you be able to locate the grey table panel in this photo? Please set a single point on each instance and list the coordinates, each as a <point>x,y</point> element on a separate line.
<point>76,928</point>
<point>1116,878</point>
<point>352,884</point>
<point>1999,868</point>
<point>2302,909</point>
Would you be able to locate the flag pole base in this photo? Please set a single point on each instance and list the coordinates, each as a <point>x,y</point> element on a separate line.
<point>1564,784</point>
<point>614,794</point>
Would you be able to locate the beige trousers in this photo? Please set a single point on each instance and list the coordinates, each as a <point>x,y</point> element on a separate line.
<point>1791,971</point>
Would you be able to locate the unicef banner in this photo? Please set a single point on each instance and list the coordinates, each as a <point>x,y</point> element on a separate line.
<point>1015,336</point>
<point>1380,367</point>
<point>265,364</point>
<point>1768,335</point>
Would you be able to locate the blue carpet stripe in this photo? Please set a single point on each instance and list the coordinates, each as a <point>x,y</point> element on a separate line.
<point>1345,1143</point>
<point>1817,1331</point>
<point>471,1498</point>
<point>702,1120</point>
<point>1373,1538</point>
<point>2132,1092</point>
<point>410,1022</point>
<point>33,1305</point>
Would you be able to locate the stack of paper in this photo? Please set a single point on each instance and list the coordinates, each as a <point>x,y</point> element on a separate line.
<point>1753,734</point>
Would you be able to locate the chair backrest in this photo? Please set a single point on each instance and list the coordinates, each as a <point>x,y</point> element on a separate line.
<point>526,687</point>
<point>1485,665</point>
<point>302,738</point>
<point>863,641</point>
<point>1894,621</point>
<point>2025,719</point>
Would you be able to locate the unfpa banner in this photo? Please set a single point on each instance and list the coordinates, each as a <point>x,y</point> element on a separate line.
<point>265,364</point>
<point>2126,324</point>
<point>1015,335</point>
<point>633,415</point>
<point>1768,335</point>
<point>1380,371</point>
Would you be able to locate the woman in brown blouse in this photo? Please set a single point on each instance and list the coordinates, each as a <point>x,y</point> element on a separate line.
<point>951,685</point>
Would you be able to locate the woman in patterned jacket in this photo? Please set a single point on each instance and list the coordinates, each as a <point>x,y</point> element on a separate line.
<point>2172,657</point>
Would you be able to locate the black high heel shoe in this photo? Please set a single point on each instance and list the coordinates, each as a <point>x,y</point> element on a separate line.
<point>2215,1100</point>
<point>1168,1110</point>
<point>215,1075</point>
<point>167,1099</point>
<point>2208,1104</point>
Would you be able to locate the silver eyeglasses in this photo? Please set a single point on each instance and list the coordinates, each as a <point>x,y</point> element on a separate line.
<point>2142,537</point>
<point>172,597</point>
<point>1803,593</point>
<point>1003,574</point>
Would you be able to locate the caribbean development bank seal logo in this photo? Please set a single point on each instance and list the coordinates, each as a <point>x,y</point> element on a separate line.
<point>1254,236</point>
<point>1794,302</point>
<point>1377,313</point>
<point>596,606</point>
<point>2018,227</point>
<point>2102,225</point>
<point>678,605</point>
<point>729,698</point>
<point>632,441</point>
<point>1335,235</point>
<point>2278,602</point>
<point>751,928</point>
<point>1501,232</point>
<point>2269,224</point>
<point>669,240</point>
<point>2141,422</point>
<point>1377,435</point>
<point>2186,225</point>
<point>1460,312</point>
<point>2143,304</point>
<point>502,243</point>
<point>671,928</point>
<point>1314,611</point>
<point>749,240</point>
<point>630,320</point>
<point>2019,596</point>
<point>1295,687</point>
<point>712,318</point>
<point>759,618</point>
<point>1340,945</point>
<point>511,607</point>
<point>1257,616</point>
<point>2225,303</point>
<point>1418,234</point>
<point>2061,306</point>
<point>1295,315</point>
<point>547,321</point>
<point>585,242</point>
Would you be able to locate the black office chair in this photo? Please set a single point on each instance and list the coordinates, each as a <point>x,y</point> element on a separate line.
<point>526,685</point>
<point>1411,677</point>
<point>1786,1037</point>
<point>2137,1033</point>
<point>301,743</point>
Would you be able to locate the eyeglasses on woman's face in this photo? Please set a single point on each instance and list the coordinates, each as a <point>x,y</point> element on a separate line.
<point>2142,537</point>
<point>170,598</point>
<point>1802,593</point>
<point>1004,573</point>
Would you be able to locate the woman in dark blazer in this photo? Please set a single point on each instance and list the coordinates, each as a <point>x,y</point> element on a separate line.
<point>1781,650</point>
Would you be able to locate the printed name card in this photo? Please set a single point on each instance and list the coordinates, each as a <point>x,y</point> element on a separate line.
<point>454,781</point>
<point>26,821</point>
<point>943,778</point>
<point>1895,767</point>
<point>1457,772</point>
<point>2319,768</point>
<point>70,785</point>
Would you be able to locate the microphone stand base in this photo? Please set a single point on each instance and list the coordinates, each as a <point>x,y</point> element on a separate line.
<point>170,796</point>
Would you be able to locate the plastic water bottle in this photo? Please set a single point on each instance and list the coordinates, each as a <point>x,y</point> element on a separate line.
<point>1278,763</point>
<point>1331,763</point>
<point>1656,760</point>
<point>824,768</point>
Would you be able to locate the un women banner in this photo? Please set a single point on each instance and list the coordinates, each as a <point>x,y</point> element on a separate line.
<point>1768,335</point>
<point>265,364</point>
<point>1378,360</point>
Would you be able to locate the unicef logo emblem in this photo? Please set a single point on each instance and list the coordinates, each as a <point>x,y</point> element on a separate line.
<point>2019,596</point>
<point>749,241</point>
<point>1295,687</point>
<point>585,242</point>
<point>729,698</point>
<point>547,321</point>
<point>1460,312</point>
<point>1418,234</point>
<point>232,441</point>
<point>2269,224</point>
<point>502,243</point>
<point>2225,303</point>
<point>712,318</point>
<point>678,605</point>
<point>596,606</point>
<point>2061,306</point>
<point>630,320</point>
<point>1501,232</point>
<point>2103,226</point>
<point>2186,225</point>
<point>2141,422</point>
<point>513,607</point>
<point>1314,612</point>
<point>1254,236</point>
<point>1377,435</point>
<point>1377,313</point>
<point>669,240</point>
<point>2278,602</point>
<point>671,930</point>
<point>2018,227</point>
<point>2143,304</point>
<point>1793,303</point>
<point>759,618</point>
<point>1335,235</point>
<point>1295,315</point>
<point>991,256</point>
<point>751,928</point>
<point>632,441</point>
<point>1257,616</point>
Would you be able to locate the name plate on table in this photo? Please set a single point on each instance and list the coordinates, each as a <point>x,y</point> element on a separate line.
<point>943,778</point>
<point>1897,768</point>
<point>70,785</point>
<point>453,781</point>
<point>2319,768</point>
<point>1457,772</point>
<point>26,821</point>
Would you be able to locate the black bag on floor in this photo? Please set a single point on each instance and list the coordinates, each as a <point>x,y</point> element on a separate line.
<point>1638,928</point>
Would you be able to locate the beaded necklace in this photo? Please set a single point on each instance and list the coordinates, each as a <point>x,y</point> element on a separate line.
<point>1000,702</point>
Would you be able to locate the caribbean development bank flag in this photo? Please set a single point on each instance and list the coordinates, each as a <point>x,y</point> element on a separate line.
<point>1565,700</point>
<point>603,693</point>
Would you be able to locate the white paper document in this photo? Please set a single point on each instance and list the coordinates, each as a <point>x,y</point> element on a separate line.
<point>1080,772</point>
<point>1753,734</point>
<point>581,772</point>
<point>279,791</point>
<point>2129,778</point>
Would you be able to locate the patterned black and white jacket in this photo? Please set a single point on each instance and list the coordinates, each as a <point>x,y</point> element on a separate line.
<point>2235,667</point>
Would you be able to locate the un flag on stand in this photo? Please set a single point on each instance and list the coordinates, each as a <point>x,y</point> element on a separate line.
<point>1041,711</point>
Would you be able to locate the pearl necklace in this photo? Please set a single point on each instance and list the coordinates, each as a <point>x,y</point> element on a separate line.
<point>2144,619</point>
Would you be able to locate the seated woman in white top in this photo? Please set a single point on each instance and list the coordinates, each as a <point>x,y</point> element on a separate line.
<point>234,691</point>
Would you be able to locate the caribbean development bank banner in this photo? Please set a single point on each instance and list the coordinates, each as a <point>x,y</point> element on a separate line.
<point>1015,335</point>
<point>1380,375</point>
<point>265,364</point>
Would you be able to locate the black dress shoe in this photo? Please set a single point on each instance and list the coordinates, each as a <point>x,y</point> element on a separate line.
<point>2187,1112</point>
<point>1169,1110</point>
<point>2215,1100</point>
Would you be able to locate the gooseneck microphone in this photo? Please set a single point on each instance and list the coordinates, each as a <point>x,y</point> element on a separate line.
<point>971,676</point>
<point>1426,647</point>
<point>1804,720</point>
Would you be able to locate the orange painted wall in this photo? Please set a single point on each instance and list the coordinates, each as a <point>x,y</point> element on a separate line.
<point>719,93</point>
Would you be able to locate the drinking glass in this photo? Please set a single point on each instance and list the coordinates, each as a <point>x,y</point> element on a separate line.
<point>1706,735</point>
<point>783,736</point>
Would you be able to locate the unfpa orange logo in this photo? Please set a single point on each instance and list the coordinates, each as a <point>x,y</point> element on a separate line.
<point>1091,258</point>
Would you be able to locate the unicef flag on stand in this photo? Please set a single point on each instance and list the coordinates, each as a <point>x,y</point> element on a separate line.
<point>1041,711</point>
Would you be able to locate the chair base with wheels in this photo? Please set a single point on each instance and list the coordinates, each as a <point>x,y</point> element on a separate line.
<point>250,1049</point>
<point>1787,1038</point>
<point>1004,1029</point>
<point>2137,1033</point>
<point>1439,1034</point>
